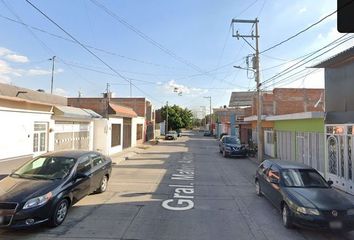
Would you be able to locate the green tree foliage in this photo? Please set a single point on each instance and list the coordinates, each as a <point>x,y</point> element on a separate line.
<point>177,117</point>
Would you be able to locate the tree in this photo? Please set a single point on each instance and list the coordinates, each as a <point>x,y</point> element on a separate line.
<point>177,117</point>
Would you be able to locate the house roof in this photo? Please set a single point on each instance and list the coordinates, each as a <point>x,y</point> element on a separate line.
<point>337,60</point>
<point>21,100</point>
<point>241,99</point>
<point>73,112</point>
<point>28,94</point>
<point>122,111</point>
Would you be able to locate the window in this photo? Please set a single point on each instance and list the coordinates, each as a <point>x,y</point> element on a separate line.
<point>139,131</point>
<point>264,167</point>
<point>40,137</point>
<point>96,159</point>
<point>84,165</point>
<point>273,173</point>
<point>115,135</point>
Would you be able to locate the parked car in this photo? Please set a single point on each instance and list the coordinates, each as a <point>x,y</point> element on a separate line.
<point>43,189</point>
<point>207,134</point>
<point>231,146</point>
<point>303,196</point>
<point>171,135</point>
<point>223,134</point>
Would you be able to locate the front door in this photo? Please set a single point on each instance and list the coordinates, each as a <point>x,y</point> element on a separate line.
<point>40,138</point>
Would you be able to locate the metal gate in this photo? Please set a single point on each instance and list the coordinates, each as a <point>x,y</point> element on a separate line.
<point>310,150</point>
<point>339,145</point>
<point>72,135</point>
<point>127,132</point>
<point>269,145</point>
<point>285,145</point>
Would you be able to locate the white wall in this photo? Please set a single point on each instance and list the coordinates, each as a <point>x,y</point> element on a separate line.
<point>135,121</point>
<point>16,129</point>
<point>102,135</point>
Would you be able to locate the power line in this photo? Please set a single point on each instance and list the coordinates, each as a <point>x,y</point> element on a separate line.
<point>147,38</point>
<point>291,68</point>
<point>88,50</point>
<point>297,34</point>
<point>89,46</point>
<point>315,58</point>
<point>43,44</point>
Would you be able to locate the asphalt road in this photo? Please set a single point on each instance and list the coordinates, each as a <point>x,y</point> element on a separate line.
<point>176,190</point>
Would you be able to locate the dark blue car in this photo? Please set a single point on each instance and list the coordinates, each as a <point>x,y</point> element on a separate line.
<point>231,146</point>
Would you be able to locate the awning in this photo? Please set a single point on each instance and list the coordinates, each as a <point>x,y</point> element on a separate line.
<point>73,112</point>
<point>121,111</point>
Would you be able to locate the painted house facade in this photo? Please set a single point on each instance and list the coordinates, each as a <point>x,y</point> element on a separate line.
<point>339,118</point>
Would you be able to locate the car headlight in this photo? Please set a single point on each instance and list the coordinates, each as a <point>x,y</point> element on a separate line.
<point>308,211</point>
<point>228,148</point>
<point>350,211</point>
<point>38,201</point>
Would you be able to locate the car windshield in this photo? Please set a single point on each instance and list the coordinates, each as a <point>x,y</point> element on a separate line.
<point>172,132</point>
<point>231,140</point>
<point>48,168</point>
<point>306,178</point>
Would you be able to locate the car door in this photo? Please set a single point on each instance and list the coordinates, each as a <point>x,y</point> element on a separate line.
<point>82,184</point>
<point>274,185</point>
<point>98,170</point>
<point>263,182</point>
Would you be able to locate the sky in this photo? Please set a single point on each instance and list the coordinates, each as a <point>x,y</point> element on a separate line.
<point>175,51</point>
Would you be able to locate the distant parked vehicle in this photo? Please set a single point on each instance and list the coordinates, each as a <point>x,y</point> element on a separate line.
<point>303,196</point>
<point>223,134</point>
<point>171,135</point>
<point>43,189</point>
<point>207,134</point>
<point>231,146</point>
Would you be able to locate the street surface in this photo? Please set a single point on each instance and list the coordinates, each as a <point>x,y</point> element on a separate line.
<point>149,197</point>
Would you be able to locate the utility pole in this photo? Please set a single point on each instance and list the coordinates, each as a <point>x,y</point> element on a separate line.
<point>166,130</point>
<point>260,138</point>
<point>107,98</point>
<point>51,83</point>
<point>210,118</point>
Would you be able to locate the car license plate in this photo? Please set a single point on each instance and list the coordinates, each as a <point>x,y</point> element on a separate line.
<point>335,225</point>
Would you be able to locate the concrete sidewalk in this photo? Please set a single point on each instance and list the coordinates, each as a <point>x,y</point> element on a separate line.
<point>130,152</point>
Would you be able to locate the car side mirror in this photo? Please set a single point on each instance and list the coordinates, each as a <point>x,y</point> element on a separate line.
<point>274,181</point>
<point>330,182</point>
<point>81,175</point>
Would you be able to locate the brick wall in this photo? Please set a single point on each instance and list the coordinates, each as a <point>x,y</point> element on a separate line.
<point>137,104</point>
<point>96,104</point>
<point>290,100</point>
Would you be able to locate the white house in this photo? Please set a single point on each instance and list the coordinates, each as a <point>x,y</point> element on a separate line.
<point>24,128</point>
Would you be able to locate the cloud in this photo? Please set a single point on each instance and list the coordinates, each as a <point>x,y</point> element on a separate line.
<point>172,87</point>
<point>17,58</point>
<point>60,92</point>
<point>302,10</point>
<point>12,56</point>
<point>42,72</point>
<point>6,71</point>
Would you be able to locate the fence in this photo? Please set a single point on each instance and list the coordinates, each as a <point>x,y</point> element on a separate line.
<point>303,147</point>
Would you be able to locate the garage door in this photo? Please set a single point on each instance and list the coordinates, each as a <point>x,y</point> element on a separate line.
<point>72,136</point>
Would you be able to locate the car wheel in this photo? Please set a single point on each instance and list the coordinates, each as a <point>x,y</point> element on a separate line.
<point>258,189</point>
<point>103,185</point>
<point>286,217</point>
<point>59,214</point>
